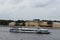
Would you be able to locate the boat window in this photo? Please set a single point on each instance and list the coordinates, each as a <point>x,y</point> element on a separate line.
<point>29,30</point>
<point>13,29</point>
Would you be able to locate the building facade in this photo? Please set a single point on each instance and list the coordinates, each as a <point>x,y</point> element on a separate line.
<point>11,24</point>
<point>31,24</point>
<point>56,24</point>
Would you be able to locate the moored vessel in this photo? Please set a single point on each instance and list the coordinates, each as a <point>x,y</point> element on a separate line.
<point>29,30</point>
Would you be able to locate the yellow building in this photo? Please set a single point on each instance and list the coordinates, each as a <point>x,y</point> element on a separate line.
<point>12,24</point>
<point>37,24</point>
<point>56,24</point>
<point>43,24</point>
<point>31,24</point>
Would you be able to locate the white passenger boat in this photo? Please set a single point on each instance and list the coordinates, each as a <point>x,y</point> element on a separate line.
<point>29,30</point>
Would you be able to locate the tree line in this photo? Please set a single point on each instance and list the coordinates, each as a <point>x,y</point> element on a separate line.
<point>6,22</point>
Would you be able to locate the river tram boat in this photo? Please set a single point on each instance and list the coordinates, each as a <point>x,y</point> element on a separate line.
<point>29,30</point>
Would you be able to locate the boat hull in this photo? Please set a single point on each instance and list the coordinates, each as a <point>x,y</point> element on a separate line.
<point>29,31</point>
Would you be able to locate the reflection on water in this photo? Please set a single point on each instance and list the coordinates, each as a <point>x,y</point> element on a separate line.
<point>6,35</point>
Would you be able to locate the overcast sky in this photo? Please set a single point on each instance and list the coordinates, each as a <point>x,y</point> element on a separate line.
<point>30,9</point>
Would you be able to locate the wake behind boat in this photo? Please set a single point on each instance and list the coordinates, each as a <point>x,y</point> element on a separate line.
<point>30,30</point>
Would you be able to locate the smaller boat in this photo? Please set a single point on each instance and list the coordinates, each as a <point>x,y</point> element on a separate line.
<point>29,30</point>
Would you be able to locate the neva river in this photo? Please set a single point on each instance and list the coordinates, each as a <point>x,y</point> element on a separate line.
<point>6,35</point>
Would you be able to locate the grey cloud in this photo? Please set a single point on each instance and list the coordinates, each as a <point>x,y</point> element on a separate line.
<point>30,9</point>
<point>14,1</point>
<point>44,3</point>
<point>2,1</point>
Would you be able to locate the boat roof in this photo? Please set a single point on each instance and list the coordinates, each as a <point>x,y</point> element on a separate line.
<point>32,29</point>
<point>28,28</point>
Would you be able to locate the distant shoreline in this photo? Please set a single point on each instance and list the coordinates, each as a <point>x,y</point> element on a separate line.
<point>31,27</point>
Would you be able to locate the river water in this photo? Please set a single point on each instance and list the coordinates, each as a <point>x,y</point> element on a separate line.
<point>6,35</point>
